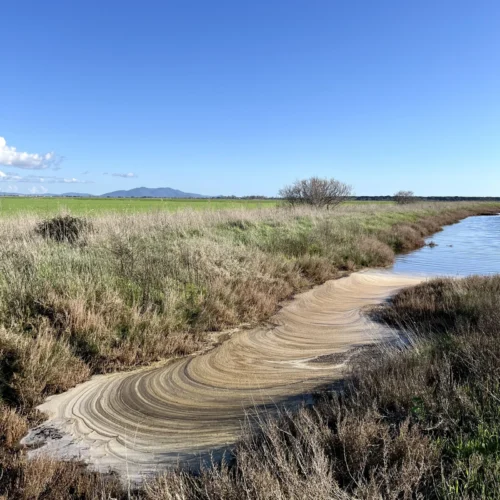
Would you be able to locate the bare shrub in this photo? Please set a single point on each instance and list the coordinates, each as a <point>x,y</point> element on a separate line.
<point>63,228</point>
<point>316,192</point>
<point>404,197</point>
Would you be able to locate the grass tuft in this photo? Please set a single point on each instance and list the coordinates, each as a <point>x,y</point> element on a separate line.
<point>64,228</point>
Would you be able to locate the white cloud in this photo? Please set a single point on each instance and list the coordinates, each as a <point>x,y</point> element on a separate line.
<point>72,180</point>
<point>11,188</point>
<point>38,190</point>
<point>10,157</point>
<point>127,176</point>
<point>9,177</point>
<point>49,179</point>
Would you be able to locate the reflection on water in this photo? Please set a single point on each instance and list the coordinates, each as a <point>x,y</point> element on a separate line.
<point>470,247</point>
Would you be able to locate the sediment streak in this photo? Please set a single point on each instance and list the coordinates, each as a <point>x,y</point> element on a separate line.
<point>143,421</point>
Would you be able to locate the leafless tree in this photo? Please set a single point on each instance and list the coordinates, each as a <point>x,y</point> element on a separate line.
<point>317,192</point>
<point>404,197</point>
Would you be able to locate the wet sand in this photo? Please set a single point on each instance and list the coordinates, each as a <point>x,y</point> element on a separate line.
<point>140,422</point>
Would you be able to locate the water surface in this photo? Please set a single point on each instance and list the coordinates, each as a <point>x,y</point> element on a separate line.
<point>472,246</point>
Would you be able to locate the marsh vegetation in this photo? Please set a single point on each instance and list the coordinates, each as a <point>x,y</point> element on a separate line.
<point>139,288</point>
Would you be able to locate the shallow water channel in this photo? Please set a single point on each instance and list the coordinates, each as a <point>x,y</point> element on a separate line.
<point>472,246</point>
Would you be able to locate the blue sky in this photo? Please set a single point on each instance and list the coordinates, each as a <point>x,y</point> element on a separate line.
<point>232,97</point>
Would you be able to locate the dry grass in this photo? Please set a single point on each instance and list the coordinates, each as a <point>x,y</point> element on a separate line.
<point>12,427</point>
<point>140,288</point>
<point>35,366</point>
<point>48,479</point>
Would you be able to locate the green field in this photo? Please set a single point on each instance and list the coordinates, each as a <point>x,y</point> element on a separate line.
<point>10,205</point>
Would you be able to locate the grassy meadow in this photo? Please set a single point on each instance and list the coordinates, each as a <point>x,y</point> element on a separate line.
<point>139,287</point>
<point>90,207</point>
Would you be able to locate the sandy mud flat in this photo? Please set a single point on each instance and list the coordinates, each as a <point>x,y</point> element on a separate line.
<point>140,422</point>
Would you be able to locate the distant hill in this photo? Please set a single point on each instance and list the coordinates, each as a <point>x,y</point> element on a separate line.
<point>77,195</point>
<point>144,192</point>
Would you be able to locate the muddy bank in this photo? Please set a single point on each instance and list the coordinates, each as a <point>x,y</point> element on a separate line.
<point>143,421</point>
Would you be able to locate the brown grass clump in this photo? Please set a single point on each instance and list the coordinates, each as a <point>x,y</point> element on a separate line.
<point>445,304</point>
<point>44,478</point>
<point>325,452</point>
<point>47,479</point>
<point>34,367</point>
<point>12,427</point>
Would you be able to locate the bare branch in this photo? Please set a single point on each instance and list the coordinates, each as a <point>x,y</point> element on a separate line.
<point>316,192</point>
<point>404,197</point>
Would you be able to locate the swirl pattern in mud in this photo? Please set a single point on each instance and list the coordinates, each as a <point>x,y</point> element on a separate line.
<point>142,421</point>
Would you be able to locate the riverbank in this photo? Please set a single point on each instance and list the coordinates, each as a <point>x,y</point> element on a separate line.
<point>226,267</point>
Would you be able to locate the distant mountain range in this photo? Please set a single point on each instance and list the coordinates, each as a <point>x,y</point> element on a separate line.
<point>141,192</point>
<point>75,195</point>
<point>144,192</point>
